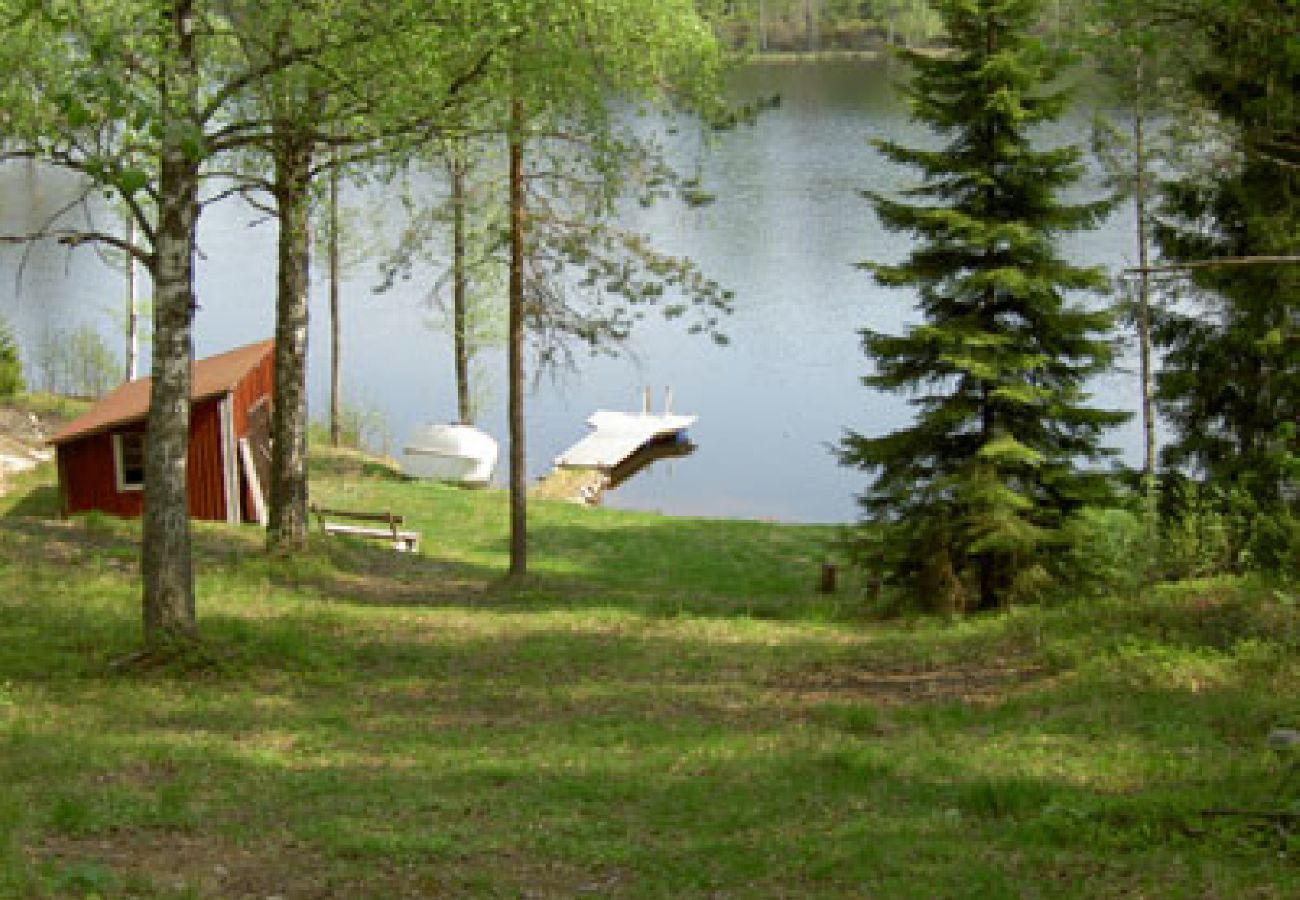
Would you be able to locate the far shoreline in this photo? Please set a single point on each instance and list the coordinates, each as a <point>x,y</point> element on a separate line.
<point>795,57</point>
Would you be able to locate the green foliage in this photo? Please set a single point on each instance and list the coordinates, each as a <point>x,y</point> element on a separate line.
<point>1211,529</point>
<point>11,366</point>
<point>76,362</point>
<point>1103,552</point>
<point>966,501</point>
<point>813,25</point>
<point>472,209</point>
<point>362,426</point>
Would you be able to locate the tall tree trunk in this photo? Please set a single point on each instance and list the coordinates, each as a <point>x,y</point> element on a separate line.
<point>132,308</point>
<point>1144,287</point>
<point>460,284</point>
<point>989,599</point>
<point>987,561</point>
<point>336,371</point>
<point>518,456</point>
<point>287,529</point>
<point>166,567</point>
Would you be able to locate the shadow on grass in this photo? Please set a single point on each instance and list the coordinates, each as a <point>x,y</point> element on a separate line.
<point>673,568</point>
<point>406,759</point>
<point>670,570</point>
<point>396,753</point>
<point>41,502</point>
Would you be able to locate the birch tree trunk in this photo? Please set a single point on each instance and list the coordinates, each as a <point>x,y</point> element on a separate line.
<point>165,565</point>
<point>1144,287</point>
<point>1150,488</point>
<point>287,529</point>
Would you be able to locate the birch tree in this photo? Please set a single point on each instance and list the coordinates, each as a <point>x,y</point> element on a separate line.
<point>120,93</point>
<point>143,96</point>
<point>343,103</point>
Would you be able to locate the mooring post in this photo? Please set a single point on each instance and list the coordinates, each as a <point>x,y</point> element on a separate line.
<point>827,584</point>
<point>668,400</point>
<point>645,401</point>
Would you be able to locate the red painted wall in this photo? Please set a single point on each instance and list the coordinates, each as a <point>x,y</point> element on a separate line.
<point>88,479</point>
<point>205,477</point>
<point>258,383</point>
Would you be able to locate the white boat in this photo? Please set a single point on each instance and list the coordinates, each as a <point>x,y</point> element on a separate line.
<point>461,454</point>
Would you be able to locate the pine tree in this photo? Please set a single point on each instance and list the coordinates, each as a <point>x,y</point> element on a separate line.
<point>967,499</point>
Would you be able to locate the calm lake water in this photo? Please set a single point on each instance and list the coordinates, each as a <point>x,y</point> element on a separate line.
<point>784,234</point>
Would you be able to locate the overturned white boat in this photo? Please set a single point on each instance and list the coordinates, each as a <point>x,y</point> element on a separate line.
<point>461,454</point>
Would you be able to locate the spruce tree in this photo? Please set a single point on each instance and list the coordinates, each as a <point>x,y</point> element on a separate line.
<point>966,500</point>
<point>1230,385</point>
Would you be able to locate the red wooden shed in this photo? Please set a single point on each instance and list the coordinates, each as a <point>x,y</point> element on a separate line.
<point>101,453</point>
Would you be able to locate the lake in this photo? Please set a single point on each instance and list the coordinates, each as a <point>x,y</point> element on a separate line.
<point>784,234</point>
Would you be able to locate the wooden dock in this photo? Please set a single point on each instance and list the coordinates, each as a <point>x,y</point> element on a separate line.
<point>588,486</point>
<point>617,436</point>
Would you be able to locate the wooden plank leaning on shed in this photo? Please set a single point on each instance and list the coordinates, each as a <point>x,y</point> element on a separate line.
<point>402,540</point>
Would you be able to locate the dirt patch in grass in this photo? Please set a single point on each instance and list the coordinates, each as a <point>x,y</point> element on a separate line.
<point>152,863</point>
<point>62,542</point>
<point>444,588</point>
<point>976,683</point>
<point>172,864</point>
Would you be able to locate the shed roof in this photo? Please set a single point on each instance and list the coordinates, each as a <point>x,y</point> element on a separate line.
<point>210,377</point>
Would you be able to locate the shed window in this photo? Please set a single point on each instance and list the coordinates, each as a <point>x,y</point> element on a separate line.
<point>128,453</point>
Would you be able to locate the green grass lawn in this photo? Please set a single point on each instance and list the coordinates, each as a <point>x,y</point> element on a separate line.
<point>664,708</point>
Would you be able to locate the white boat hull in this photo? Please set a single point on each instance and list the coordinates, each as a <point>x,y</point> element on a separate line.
<point>459,454</point>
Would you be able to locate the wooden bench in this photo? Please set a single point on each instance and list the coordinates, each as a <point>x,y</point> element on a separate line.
<point>408,541</point>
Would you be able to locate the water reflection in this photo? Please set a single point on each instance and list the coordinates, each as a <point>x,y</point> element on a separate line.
<point>676,447</point>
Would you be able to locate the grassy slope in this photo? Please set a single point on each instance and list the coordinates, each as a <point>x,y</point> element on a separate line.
<point>663,710</point>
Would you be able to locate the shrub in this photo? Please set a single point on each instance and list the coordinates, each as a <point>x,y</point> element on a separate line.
<point>1209,530</point>
<point>11,367</point>
<point>362,426</point>
<point>1103,552</point>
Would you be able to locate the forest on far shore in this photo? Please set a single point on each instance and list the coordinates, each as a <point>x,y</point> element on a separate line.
<point>803,26</point>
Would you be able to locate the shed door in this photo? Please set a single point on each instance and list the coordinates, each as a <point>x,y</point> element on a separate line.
<point>258,456</point>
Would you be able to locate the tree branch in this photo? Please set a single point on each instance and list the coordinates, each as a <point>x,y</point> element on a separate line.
<point>71,237</point>
<point>1223,262</point>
